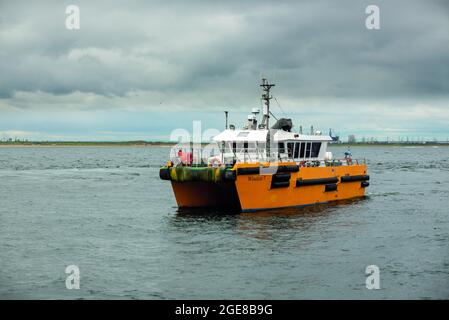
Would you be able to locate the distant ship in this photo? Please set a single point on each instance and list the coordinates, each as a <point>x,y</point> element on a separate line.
<point>261,168</point>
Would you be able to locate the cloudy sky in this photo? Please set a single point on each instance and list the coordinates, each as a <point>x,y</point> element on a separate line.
<point>139,69</point>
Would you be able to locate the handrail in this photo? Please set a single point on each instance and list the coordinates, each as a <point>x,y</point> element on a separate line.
<point>256,155</point>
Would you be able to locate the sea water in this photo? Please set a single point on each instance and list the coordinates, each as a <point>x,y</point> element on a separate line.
<point>105,211</point>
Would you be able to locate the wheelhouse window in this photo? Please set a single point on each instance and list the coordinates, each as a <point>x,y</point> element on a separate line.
<point>251,147</point>
<point>242,146</point>
<point>303,150</point>
<point>296,153</point>
<point>308,147</point>
<point>290,146</point>
<point>315,149</point>
<point>281,148</point>
<point>222,146</point>
<point>261,147</point>
<point>228,147</point>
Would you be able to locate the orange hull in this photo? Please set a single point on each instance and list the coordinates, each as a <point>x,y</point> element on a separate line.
<point>251,192</point>
<point>194,194</point>
<point>257,194</point>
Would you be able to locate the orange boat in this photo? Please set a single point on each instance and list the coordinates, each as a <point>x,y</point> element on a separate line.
<point>262,168</point>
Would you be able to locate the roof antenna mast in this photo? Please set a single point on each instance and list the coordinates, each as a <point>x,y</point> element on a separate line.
<point>266,97</point>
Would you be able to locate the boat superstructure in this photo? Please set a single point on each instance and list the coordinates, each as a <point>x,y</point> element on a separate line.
<point>260,167</point>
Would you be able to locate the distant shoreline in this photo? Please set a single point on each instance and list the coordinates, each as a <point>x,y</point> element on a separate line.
<point>85,144</point>
<point>170,144</point>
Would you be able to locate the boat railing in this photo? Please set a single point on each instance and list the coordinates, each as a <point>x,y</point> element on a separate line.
<point>255,155</point>
<point>305,162</point>
<point>258,155</point>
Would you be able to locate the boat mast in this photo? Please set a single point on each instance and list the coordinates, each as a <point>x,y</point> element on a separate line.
<point>266,116</point>
<point>266,98</point>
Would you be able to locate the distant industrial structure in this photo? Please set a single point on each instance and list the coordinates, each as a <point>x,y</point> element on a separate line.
<point>400,140</point>
<point>351,138</point>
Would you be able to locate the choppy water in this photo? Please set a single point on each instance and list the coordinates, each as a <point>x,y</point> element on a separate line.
<point>105,210</point>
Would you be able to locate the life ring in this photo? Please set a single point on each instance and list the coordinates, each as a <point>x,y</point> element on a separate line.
<point>215,162</point>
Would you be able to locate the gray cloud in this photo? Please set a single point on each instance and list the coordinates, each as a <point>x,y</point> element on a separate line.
<point>312,48</point>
